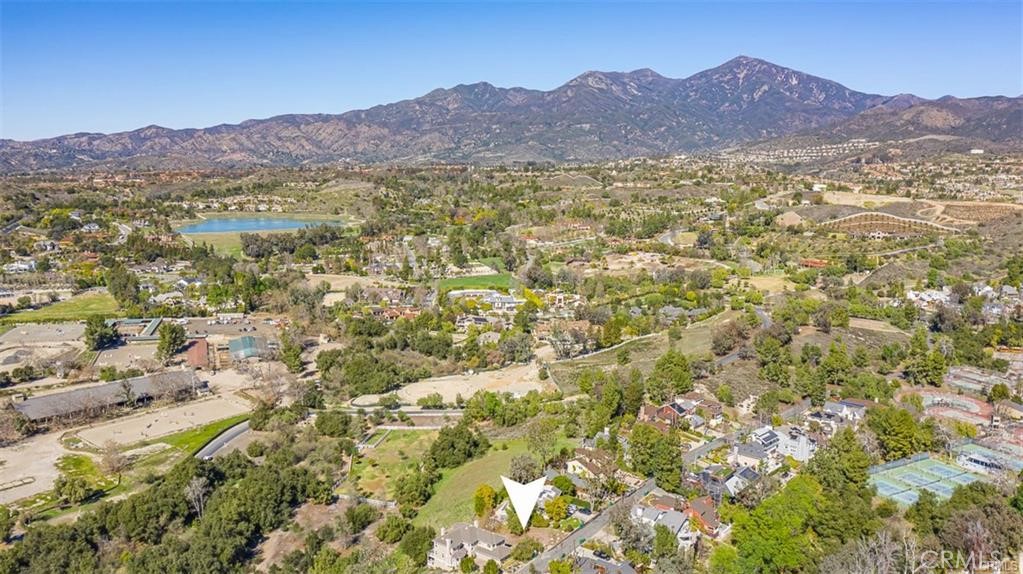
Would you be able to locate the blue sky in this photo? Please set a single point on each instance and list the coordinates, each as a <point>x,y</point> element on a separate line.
<point>86,66</point>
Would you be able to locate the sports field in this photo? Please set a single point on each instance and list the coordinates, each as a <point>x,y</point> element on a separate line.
<point>499,281</point>
<point>902,480</point>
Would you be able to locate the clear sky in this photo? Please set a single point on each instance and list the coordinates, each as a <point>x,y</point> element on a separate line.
<point>87,66</point>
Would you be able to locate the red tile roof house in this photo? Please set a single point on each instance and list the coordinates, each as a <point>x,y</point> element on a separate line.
<point>704,514</point>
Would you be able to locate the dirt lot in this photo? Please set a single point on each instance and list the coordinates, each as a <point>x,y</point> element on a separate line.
<point>150,425</point>
<point>30,333</point>
<point>342,282</point>
<point>127,356</point>
<point>34,460</point>
<point>516,379</point>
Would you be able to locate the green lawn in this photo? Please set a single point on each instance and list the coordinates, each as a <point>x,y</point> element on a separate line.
<point>190,441</point>
<point>500,281</point>
<point>76,308</point>
<point>401,450</point>
<point>452,497</point>
<point>227,243</point>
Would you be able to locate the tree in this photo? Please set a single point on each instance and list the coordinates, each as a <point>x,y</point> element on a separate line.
<point>927,369</point>
<point>6,523</point>
<point>172,338</point>
<point>999,392</point>
<point>556,508</point>
<point>541,438</point>
<point>333,423</point>
<point>565,485</point>
<point>672,370</point>
<point>897,432</point>
<point>392,529</point>
<point>196,491</point>
<point>657,455</point>
<point>468,564</point>
<point>665,543</point>
<point>775,537</point>
<point>99,335</point>
<point>559,567</point>
<point>72,489</point>
<point>416,544</point>
<point>112,461</point>
<point>523,469</point>
<point>360,516</point>
<point>484,499</point>
<point>457,444</point>
<point>525,550</point>
<point>491,567</point>
<point>291,354</point>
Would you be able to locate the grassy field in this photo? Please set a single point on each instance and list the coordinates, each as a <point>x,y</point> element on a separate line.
<point>643,352</point>
<point>452,498</point>
<point>77,308</point>
<point>190,441</point>
<point>500,281</point>
<point>372,474</point>
<point>228,243</point>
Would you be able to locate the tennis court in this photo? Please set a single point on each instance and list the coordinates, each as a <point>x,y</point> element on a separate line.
<point>902,480</point>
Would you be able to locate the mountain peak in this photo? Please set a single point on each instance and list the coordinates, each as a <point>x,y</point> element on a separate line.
<point>595,116</point>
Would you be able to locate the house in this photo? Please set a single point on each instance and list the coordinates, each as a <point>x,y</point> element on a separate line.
<point>20,266</point>
<point>676,522</point>
<point>604,437</point>
<point>740,479</point>
<point>767,438</point>
<point>591,463</point>
<point>845,410</point>
<point>713,480</point>
<point>91,227</point>
<point>795,442</point>
<point>704,514</point>
<point>751,454</point>
<point>461,540</point>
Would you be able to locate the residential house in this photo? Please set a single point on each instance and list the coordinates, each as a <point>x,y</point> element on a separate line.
<point>704,514</point>
<point>751,454</point>
<point>797,443</point>
<point>461,540</point>
<point>591,463</point>
<point>740,479</point>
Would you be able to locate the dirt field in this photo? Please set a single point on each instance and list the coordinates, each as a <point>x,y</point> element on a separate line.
<point>127,356</point>
<point>517,379</point>
<point>341,282</point>
<point>150,425</point>
<point>43,333</point>
<point>32,460</point>
<point>860,199</point>
<point>772,284</point>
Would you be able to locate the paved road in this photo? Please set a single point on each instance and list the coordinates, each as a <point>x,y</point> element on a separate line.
<point>221,440</point>
<point>587,531</point>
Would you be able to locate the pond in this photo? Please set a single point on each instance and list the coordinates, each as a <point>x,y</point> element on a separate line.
<point>252,224</point>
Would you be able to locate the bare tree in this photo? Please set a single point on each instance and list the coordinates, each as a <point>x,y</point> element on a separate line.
<point>196,491</point>
<point>112,460</point>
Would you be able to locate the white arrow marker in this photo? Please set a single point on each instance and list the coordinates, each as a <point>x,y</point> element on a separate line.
<point>523,497</point>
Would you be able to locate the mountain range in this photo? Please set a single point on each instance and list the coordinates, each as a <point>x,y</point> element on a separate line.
<point>595,116</point>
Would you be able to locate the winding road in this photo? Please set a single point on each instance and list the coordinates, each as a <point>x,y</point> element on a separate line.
<point>221,440</point>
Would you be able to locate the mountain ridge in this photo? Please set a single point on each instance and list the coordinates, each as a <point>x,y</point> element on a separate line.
<point>593,116</point>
